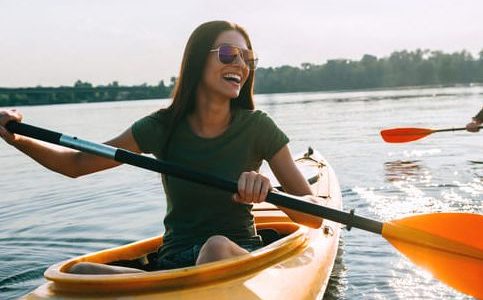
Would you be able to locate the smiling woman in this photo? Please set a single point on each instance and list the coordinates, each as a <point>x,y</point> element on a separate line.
<point>211,126</point>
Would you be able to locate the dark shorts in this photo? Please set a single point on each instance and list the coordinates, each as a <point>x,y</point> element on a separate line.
<point>187,258</point>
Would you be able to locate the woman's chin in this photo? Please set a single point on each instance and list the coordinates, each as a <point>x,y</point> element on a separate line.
<point>232,94</point>
<point>228,93</point>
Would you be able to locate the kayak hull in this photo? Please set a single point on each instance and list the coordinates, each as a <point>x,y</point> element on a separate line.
<point>295,266</point>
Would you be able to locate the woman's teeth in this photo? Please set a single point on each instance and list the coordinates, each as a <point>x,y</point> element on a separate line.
<point>232,77</point>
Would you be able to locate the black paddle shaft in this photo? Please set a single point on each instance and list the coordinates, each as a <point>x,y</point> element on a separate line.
<point>453,129</point>
<point>168,168</point>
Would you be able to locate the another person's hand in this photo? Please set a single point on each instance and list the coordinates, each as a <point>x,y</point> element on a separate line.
<point>253,187</point>
<point>473,126</point>
<point>5,117</point>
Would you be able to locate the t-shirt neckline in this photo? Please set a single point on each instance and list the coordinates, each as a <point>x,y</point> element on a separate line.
<point>230,127</point>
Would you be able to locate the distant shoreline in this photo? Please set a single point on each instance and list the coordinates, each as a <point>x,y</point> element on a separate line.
<point>401,70</point>
<point>295,92</point>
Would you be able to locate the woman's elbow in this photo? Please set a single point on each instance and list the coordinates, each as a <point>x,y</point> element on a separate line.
<point>73,175</point>
<point>76,166</point>
<point>69,173</point>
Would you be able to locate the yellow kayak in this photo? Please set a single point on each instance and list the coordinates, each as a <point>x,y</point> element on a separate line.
<point>296,262</point>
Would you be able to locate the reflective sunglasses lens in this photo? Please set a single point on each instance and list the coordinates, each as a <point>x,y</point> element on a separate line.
<point>227,54</point>
<point>250,59</point>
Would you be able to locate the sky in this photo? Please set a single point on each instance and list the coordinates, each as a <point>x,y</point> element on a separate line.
<point>57,42</point>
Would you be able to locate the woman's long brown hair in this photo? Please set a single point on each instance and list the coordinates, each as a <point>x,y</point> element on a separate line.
<point>194,60</point>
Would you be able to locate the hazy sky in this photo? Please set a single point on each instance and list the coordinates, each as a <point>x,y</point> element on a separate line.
<point>51,43</point>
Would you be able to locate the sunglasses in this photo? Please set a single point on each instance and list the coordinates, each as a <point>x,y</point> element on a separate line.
<point>227,54</point>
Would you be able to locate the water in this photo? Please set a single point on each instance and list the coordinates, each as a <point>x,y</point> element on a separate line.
<point>46,218</point>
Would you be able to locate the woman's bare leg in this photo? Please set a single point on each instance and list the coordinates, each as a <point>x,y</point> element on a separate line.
<point>94,268</point>
<point>218,247</point>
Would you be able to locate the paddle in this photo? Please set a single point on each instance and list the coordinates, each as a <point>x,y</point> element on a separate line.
<point>440,242</point>
<point>404,135</point>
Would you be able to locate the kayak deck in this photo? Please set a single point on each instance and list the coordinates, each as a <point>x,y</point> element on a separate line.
<point>296,264</point>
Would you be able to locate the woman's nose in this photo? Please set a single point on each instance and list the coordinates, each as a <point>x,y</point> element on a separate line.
<point>240,61</point>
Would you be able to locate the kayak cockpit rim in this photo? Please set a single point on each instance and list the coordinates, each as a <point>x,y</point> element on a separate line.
<point>244,265</point>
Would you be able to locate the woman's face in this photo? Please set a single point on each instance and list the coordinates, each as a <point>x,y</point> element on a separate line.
<point>225,80</point>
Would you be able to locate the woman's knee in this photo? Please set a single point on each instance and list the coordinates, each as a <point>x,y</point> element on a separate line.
<point>218,247</point>
<point>217,242</point>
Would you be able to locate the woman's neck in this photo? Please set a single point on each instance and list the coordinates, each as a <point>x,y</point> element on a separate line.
<point>211,117</point>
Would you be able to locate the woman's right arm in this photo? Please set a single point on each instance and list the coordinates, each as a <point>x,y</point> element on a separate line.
<point>62,160</point>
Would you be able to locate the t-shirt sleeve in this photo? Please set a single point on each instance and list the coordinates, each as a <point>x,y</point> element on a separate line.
<point>148,133</point>
<point>270,138</point>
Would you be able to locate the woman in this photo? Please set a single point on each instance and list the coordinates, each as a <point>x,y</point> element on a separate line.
<point>211,126</point>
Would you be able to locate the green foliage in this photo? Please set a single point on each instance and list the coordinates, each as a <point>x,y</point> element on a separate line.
<point>401,68</point>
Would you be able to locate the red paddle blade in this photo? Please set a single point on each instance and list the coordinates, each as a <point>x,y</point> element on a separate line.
<point>403,135</point>
<point>449,245</point>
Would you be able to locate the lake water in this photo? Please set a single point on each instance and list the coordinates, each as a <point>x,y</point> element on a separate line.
<point>46,218</point>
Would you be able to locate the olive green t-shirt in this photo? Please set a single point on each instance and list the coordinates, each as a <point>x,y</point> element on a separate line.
<point>194,211</point>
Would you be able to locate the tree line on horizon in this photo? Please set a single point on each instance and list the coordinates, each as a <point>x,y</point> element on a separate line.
<point>400,69</point>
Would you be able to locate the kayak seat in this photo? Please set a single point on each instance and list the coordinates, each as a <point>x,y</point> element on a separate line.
<point>269,235</point>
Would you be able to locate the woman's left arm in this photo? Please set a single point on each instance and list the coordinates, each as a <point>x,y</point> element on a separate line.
<point>293,182</point>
